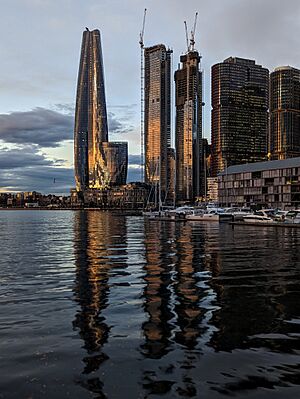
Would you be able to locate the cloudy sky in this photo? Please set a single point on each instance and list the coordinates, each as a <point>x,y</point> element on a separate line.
<point>40,44</point>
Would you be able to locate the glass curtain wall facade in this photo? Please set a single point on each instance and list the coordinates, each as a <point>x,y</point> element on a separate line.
<point>188,129</point>
<point>116,156</point>
<point>284,141</point>
<point>240,90</point>
<point>157,116</point>
<point>90,115</point>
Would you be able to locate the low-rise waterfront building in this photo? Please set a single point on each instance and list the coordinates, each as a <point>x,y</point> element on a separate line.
<point>33,199</point>
<point>128,196</point>
<point>212,190</point>
<point>274,184</point>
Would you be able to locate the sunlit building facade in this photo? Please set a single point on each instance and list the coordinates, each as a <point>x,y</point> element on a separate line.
<point>94,169</point>
<point>116,161</point>
<point>170,197</point>
<point>188,129</point>
<point>272,184</point>
<point>157,110</point>
<point>240,90</point>
<point>284,140</point>
<point>90,116</point>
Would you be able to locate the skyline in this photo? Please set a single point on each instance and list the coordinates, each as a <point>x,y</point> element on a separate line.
<point>38,92</point>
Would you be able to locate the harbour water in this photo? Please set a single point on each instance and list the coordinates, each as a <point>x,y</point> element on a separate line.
<point>97,305</point>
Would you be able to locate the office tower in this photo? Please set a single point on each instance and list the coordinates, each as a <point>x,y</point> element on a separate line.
<point>284,140</point>
<point>188,129</point>
<point>170,197</point>
<point>94,169</point>
<point>157,113</point>
<point>90,117</point>
<point>239,113</point>
<point>116,155</point>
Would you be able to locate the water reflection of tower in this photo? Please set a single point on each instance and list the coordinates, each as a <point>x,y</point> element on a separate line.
<point>188,294</point>
<point>252,285</point>
<point>95,235</point>
<point>157,293</point>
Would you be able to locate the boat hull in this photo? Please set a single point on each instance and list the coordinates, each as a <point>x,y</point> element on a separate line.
<point>203,218</point>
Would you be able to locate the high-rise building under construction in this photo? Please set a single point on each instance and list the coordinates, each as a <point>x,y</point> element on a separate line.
<point>239,113</point>
<point>157,113</point>
<point>91,156</point>
<point>284,139</point>
<point>188,129</point>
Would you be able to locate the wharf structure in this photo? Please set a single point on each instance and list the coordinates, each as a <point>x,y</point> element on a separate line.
<point>240,97</point>
<point>128,196</point>
<point>274,184</point>
<point>188,128</point>
<point>157,122</point>
<point>284,139</point>
<point>99,163</point>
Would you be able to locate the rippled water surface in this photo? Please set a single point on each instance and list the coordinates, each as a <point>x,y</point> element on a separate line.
<point>95,305</point>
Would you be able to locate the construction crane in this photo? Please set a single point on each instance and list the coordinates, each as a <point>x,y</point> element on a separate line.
<point>141,43</point>
<point>186,36</point>
<point>190,43</point>
<point>192,40</point>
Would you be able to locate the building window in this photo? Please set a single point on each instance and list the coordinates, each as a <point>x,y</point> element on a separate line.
<point>256,175</point>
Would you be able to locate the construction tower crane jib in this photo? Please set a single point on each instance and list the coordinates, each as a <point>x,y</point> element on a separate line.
<point>141,42</point>
<point>190,42</point>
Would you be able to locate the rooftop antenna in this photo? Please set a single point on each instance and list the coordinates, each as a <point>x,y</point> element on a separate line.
<point>141,43</point>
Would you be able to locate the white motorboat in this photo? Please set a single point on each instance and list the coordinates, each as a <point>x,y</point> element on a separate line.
<point>292,216</point>
<point>210,215</point>
<point>235,214</point>
<point>263,216</point>
<point>280,215</point>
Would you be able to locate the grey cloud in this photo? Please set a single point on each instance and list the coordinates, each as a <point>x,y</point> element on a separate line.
<point>262,30</point>
<point>41,180</point>
<point>118,124</point>
<point>65,108</point>
<point>47,127</point>
<point>134,174</point>
<point>22,158</point>
<point>126,107</point>
<point>41,126</point>
<point>134,159</point>
<point>26,170</point>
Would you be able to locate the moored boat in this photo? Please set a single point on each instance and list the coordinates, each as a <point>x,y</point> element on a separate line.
<point>211,215</point>
<point>263,216</point>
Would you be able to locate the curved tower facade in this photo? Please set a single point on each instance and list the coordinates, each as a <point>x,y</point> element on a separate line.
<point>284,139</point>
<point>91,116</point>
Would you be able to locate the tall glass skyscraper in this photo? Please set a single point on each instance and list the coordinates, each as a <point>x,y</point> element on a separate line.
<point>284,141</point>
<point>188,130</point>
<point>91,156</point>
<point>157,117</point>
<point>240,90</point>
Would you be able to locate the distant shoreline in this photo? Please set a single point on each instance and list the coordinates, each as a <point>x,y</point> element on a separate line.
<point>135,212</point>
